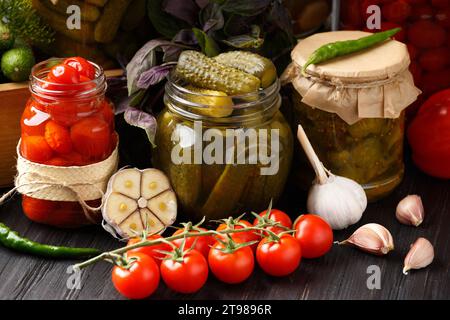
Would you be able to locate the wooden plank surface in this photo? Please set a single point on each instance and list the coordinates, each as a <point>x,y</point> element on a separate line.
<point>341,274</point>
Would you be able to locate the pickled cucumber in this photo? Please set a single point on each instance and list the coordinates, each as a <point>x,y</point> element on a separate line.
<point>251,63</point>
<point>213,103</point>
<point>204,72</point>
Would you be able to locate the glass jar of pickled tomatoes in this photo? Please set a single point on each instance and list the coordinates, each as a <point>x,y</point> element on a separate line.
<point>67,121</point>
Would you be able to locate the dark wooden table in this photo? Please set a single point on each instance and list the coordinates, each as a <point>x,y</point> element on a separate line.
<point>341,274</point>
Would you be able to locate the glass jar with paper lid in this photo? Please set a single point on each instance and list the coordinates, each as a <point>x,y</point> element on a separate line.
<point>352,109</point>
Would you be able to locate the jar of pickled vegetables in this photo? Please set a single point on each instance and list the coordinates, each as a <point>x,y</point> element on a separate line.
<point>224,154</point>
<point>67,143</point>
<point>425,29</point>
<point>352,111</point>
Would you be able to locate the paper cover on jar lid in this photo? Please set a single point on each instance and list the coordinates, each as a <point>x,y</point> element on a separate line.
<point>373,83</point>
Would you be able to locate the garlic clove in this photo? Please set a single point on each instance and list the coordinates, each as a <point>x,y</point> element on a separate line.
<point>419,256</point>
<point>372,238</point>
<point>410,210</point>
<point>127,182</point>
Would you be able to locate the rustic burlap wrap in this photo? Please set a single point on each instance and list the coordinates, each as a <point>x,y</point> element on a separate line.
<point>76,183</point>
<point>373,83</point>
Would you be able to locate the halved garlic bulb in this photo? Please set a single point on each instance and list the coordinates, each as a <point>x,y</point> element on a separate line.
<point>138,200</point>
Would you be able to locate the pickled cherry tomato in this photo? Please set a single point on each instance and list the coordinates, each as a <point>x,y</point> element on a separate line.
<point>35,149</point>
<point>63,74</point>
<point>58,162</point>
<point>427,34</point>
<point>440,3</point>
<point>58,137</point>
<point>107,113</point>
<point>33,120</point>
<point>83,67</point>
<point>75,159</point>
<point>397,11</point>
<point>91,137</point>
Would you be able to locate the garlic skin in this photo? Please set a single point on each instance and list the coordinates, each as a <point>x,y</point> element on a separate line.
<point>372,238</point>
<point>340,201</point>
<point>419,256</point>
<point>410,211</point>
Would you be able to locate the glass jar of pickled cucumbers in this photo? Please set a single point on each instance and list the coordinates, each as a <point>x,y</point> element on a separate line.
<point>224,154</point>
<point>352,110</point>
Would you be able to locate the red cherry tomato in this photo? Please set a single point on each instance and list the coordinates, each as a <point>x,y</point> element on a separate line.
<point>422,12</point>
<point>279,258</point>
<point>433,82</point>
<point>435,59</point>
<point>138,281</point>
<point>91,137</point>
<point>83,66</point>
<point>277,216</point>
<point>314,235</point>
<point>35,149</point>
<point>233,267</point>
<point>187,276</point>
<point>245,236</point>
<point>426,34</point>
<point>151,251</point>
<point>63,74</point>
<point>440,3</point>
<point>396,11</point>
<point>202,244</point>
<point>442,17</point>
<point>429,136</point>
<point>58,137</point>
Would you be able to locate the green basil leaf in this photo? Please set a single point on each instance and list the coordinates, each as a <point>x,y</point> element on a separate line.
<point>206,43</point>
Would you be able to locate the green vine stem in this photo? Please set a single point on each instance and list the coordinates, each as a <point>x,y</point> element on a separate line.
<point>185,234</point>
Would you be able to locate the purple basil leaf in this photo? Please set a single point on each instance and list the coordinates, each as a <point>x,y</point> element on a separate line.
<point>153,76</point>
<point>211,17</point>
<point>171,53</point>
<point>142,120</point>
<point>202,3</point>
<point>186,10</point>
<point>143,60</point>
<point>246,7</point>
<point>237,25</point>
<point>280,17</point>
<point>186,37</point>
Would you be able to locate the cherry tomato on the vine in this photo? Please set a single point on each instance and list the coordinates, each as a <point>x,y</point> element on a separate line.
<point>244,236</point>
<point>187,276</point>
<point>314,235</point>
<point>202,244</point>
<point>151,251</point>
<point>277,216</point>
<point>139,280</point>
<point>279,258</point>
<point>231,267</point>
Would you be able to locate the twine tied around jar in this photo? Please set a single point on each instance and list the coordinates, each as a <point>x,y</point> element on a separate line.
<point>77,183</point>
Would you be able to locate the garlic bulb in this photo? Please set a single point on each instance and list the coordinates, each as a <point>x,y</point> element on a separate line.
<point>410,210</point>
<point>340,201</point>
<point>138,200</point>
<point>419,256</point>
<point>372,238</point>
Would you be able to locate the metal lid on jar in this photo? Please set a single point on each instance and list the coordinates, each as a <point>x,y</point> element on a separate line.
<point>372,83</point>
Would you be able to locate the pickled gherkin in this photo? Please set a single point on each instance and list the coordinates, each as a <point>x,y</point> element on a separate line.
<point>251,63</point>
<point>204,72</point>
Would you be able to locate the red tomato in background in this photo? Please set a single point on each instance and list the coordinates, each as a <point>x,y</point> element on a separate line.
<point>83,67</point>
<point>314,235</point>
<point>442,17</point>
<point>435,59</point>
<point>202,244</point>
<point>35,149</point>
<point>396,11</point>
<point>279,258</point>
<point>427,34</point>
<point>151,251</point>
<point>433,82</point>
<point>429,136</point>
<point>422,12</point>
<point>277,216</point>
<point>138,281</point>
<point>440,3</point>
<point>413,51</point>
<point>91,137</point>
<point>187,276</point>
<point>416,72</point>
<point>245,236</point>
<point>350,14</point>
<point>233,267</point>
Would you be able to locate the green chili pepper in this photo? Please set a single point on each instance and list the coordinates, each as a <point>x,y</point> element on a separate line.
<point>341,48</point>
<point>12,240</point>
